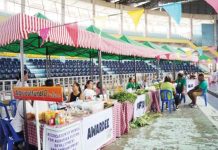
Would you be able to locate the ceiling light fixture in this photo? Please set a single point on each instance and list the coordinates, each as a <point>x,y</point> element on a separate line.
<point>140,3</point>
<point>114,1</point>
<point>160,5</point>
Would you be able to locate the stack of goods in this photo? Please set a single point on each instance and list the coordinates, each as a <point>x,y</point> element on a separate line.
<point>75,111</point>
<point>53,117</point>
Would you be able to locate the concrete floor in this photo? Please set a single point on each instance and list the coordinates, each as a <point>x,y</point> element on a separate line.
<point>185,129</point>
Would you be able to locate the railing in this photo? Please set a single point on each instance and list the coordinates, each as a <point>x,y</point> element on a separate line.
<point>109,82</point>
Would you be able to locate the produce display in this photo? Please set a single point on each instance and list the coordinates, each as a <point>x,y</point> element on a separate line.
<point>109,103</point>
<point>141,91</point>
<point>57,117</point>
<point>124,96</point>
<point>157,85</point>
<point>146,119</point>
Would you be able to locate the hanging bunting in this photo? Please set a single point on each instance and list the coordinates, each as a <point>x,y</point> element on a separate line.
<point>73,32</point>
<point>136,16</point>
<point>167,56</point>
<point>174,10</point>
<point>43,33</point>
<point>213,3</point>
<point>158,57</point>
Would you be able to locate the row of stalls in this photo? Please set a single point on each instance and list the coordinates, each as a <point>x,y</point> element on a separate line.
<point>77,128</point>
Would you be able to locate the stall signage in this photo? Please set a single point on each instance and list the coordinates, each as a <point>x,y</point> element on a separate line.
<point>54,94</point>
<point>139,106</point>
<point>190,84</point>
<point>97,129</point>
<point>66,137</point>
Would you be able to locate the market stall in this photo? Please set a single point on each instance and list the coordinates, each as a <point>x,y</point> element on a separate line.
<point>79,133</point>
<point>103,125</point>
<point>58,41</point>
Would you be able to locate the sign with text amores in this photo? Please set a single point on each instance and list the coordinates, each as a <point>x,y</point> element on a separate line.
<point>54,94</point>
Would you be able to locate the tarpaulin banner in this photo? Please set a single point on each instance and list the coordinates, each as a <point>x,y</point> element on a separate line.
<point>97,129</point>
<point>139,106</point>
<point>54,94</point>
<point>65,137</point>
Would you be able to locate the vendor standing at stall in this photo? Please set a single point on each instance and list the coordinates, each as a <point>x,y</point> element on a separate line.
<point>180,89</point>
<point>130,84</point>
<point>144,83</point>
<point>89,93</point>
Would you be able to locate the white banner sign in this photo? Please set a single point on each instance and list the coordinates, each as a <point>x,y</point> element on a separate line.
<point>139,106</point>
<point>97,129</point>
<point>66,137</point>
<point>190,84</point>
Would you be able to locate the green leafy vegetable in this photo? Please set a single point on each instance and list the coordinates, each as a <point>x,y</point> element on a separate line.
<point>124,96</point>
<point>144,120</point>
<point>141,91</point>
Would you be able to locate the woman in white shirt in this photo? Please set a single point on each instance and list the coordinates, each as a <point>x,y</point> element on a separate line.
<point>89,93</point>
<point>19,83</point>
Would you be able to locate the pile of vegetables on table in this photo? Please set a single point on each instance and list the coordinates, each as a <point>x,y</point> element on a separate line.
<point>141,91</point>
<point>124,96</point>
<point>147,118</point>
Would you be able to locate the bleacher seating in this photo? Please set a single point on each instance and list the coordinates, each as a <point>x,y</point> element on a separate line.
<point>67,68</point>
<point>128,67</point>
<point>10,68</point>
<point>167,66</point>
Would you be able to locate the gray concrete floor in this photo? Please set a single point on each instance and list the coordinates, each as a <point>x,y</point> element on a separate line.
<point>185,129</point>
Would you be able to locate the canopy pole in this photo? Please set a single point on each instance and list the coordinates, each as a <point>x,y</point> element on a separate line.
<point>24,102</point>
<point>37,125</point>
<point>135,69</point>
<point>120,76</point>
<point>158,68</point>
<point>91,65</point>
<point>50,66</point>
<point>190,68</point>
<point>174,70</point>
<point>46,64</point>
<point>100,71</point>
